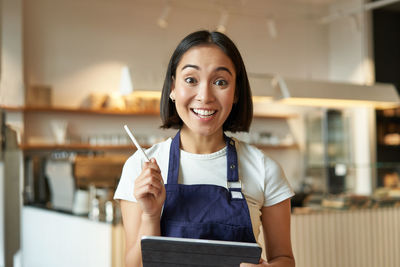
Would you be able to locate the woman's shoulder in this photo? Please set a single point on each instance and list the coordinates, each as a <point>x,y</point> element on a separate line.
<point>247,148</point>
<point>250,152</point>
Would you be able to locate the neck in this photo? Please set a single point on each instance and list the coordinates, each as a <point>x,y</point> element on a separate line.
<point>201,144</point>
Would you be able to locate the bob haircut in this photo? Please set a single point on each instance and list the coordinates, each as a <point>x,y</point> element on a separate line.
<point>239,119</point>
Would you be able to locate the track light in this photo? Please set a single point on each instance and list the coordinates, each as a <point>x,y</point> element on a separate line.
<point>162,20</point>
<point>271,26</point>
<point>222,22</point>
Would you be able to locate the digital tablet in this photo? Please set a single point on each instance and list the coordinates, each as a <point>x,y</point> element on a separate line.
<point>179,252</point>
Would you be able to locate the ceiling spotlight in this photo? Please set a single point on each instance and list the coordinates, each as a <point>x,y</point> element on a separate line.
<point>271,26</point>
<point>222,22</point>
<point>162,20</point>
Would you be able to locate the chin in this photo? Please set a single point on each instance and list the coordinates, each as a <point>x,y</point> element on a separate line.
<point>207,132</point>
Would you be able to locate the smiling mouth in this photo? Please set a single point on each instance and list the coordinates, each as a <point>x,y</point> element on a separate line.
<point>204,113</point>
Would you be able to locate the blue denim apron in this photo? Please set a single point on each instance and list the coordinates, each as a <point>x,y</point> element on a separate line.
<point>206,211</point>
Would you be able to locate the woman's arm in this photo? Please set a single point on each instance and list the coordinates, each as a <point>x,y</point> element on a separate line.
<point>136,225</point>
<point>143,217</point>
<point>276,228</point>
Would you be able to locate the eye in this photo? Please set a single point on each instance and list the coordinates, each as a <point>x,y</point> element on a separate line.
<point>190,80</point>
<point>221,82</point>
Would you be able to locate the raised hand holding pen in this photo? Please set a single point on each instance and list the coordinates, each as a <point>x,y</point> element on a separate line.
<point>149,188</point>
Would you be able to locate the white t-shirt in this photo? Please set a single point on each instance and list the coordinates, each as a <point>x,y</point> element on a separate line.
<point>263,181</point>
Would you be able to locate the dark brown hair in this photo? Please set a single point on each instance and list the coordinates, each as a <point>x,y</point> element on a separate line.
<point>239,119</point>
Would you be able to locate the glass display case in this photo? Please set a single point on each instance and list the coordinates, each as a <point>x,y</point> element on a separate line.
<point>332,173</point>
<point>328,152</point>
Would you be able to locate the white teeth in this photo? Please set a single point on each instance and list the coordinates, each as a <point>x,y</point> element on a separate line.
<point>204,112</point>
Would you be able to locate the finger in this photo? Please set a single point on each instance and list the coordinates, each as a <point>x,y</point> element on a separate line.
<point>247,265</point>
<point>149,180</point>
<point>152,164</point>
<point>149,176</point>
<point>261,263</point>
<point>153,173</point>
<point>145,190</point>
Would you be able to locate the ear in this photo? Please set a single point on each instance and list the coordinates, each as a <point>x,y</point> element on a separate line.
<point>172,94</point>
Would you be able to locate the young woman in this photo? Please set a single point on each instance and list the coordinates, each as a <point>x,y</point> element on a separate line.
<point>201,183</point>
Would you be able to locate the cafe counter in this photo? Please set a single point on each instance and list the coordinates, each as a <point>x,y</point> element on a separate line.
<point>363,237</point>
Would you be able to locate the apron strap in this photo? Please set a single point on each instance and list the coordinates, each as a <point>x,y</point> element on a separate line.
<point>174,159</point>
<point>234,184</point>
<point>232,161</point>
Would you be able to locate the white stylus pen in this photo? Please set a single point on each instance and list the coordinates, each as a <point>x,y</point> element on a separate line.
<point>135,142</point>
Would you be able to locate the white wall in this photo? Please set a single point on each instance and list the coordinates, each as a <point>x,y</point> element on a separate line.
<point>11,94</point>
<point>79,47</point>
<point>11,76</point>
<point>350,50</point>
<point>351,60</point>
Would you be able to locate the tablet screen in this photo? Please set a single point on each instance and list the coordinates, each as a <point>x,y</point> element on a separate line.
<point>179,252</point>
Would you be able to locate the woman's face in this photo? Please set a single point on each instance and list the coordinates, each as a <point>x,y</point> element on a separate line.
<point>204,89</point>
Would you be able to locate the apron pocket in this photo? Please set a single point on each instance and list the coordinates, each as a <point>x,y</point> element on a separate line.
<point>212,231</point>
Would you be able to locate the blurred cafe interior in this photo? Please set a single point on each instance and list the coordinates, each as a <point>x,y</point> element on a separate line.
<point>325,81</point>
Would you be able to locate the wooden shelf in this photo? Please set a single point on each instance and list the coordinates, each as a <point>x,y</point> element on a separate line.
<point>80,111</point>
<point>275,116</point>
<point>273,147</point>
<point>37,147</point>
<point>31,147</point>
<point>118,112</point>
<point>12,109</point>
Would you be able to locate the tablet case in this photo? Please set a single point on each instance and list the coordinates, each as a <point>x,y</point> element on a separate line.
<point>184,252</point>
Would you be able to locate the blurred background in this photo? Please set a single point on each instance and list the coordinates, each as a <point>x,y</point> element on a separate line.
<point>325,81</point>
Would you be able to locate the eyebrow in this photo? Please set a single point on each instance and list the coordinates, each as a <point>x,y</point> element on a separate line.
<point>190,66</point>
<point>225,69</point>
<point>198,68</point>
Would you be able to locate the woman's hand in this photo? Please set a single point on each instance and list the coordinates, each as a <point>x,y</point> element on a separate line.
<point>261,263</point>
<point>150,190</point>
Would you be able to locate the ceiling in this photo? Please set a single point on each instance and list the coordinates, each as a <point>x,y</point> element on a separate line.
<point>285,8</point>
<point>291,8</point>
<point>276,9</point>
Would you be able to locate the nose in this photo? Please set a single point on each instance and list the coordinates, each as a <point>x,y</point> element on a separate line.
<point>205,93</point>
